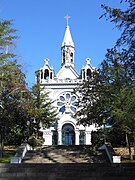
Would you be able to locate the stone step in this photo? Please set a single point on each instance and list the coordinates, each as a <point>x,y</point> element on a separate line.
<point>64,154</point>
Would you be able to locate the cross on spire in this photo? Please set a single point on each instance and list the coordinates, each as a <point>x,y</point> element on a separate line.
<point>67,18</point>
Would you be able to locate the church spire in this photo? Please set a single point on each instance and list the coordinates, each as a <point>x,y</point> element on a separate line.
<point>67,37</point>
<point>67,46</point>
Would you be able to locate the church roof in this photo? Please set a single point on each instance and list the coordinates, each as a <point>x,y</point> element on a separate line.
<point>67,41</point>
<point>67,72</point>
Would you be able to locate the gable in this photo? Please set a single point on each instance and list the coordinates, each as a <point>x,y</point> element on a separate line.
<point>67,72</point>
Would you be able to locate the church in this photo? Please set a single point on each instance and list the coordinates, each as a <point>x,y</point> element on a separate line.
<point>60,87</point>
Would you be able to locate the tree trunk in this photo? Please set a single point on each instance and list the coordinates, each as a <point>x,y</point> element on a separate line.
<point>1,144</point>
<point>2,136</point>
<point>128,146</point>
<point>134,146</point>
<point>0,147</point>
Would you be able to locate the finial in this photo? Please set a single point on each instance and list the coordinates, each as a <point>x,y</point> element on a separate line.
<point>46,60</point>
<point>67,18</point>
<point>88,60</point>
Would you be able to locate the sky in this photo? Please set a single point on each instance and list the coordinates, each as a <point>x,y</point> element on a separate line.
<point>41,26</point>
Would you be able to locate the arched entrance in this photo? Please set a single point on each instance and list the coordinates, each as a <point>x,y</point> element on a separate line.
<point>68,134</point>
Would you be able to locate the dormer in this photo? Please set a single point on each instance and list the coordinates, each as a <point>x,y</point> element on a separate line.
<point>47,72</point>
<point>87,70</point>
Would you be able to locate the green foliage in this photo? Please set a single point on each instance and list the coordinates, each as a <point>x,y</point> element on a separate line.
<point>7,38</point>
<point>45,113</point>
<point>97,138</point>
<point>15,98</point>
<point>88,105</point>
<point>21,111</point>
<point>116,136</point>
<point>123,101</point>
<point>109,97</point>
<point>35,140</point>
<point>124,20</point>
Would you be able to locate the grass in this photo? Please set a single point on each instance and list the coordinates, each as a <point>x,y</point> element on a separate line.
<point>9,151</point>
<point>128,161</point>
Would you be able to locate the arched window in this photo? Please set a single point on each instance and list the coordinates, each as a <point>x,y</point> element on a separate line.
<point>68,134</point>
<point>88,74</point>
<point>71,57</point>
<point>83,74</point>
<point>50,75</point>
<point>63,57</point>
<point>46,74</point>
<point>41,74</point>
<point>68,127</point>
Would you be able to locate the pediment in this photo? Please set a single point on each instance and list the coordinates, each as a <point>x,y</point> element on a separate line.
<point>67,72</point>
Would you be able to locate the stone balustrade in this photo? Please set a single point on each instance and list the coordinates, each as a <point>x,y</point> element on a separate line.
<point>112,156</point>
<point>61,81</point>
<point>17,159</point>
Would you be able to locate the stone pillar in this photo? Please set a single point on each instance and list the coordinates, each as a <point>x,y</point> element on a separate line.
<point>59,137</point>
<point>47,135</point>
<point>77,137</point>
<point>88,137</point>
<point>51,135</point>
<point>82,74</point>
<point>85,74</point>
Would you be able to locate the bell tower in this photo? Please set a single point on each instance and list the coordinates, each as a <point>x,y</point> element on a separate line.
<point>67,48</point>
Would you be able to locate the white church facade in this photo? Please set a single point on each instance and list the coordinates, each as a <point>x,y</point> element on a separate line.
<point>60,87</point>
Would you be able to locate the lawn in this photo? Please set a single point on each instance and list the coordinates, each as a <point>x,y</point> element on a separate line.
<point>9,151</point>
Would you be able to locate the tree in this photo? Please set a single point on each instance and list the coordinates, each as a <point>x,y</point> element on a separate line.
<point>12,86</point>
<point>44,113</point>
<point>88,106</point>
<point>21,111</point>
<point>125,21</point>
<point>6,39</point>
<point>121,101</point>
<point>110,96</point>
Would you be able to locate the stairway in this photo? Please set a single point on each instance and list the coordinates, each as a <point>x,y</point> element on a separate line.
<point>66,163</point>
<point>64,154</point>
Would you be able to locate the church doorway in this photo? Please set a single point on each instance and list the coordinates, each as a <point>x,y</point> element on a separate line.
<point>68,134</point>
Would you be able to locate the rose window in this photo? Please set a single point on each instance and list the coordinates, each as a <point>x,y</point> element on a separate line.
<point>67,102</point>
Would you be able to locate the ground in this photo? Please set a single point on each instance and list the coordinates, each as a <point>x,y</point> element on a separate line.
<point>123,151</point>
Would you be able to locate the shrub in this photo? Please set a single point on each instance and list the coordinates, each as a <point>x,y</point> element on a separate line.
<point>35,140</point>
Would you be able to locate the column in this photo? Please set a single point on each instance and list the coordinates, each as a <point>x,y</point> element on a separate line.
<point>77,137</point>
<point>59,137</point>
<point>88,137</point>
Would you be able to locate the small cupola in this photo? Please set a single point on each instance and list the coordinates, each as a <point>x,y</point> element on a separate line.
<point>87,70</point>
<point>47,72</point>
